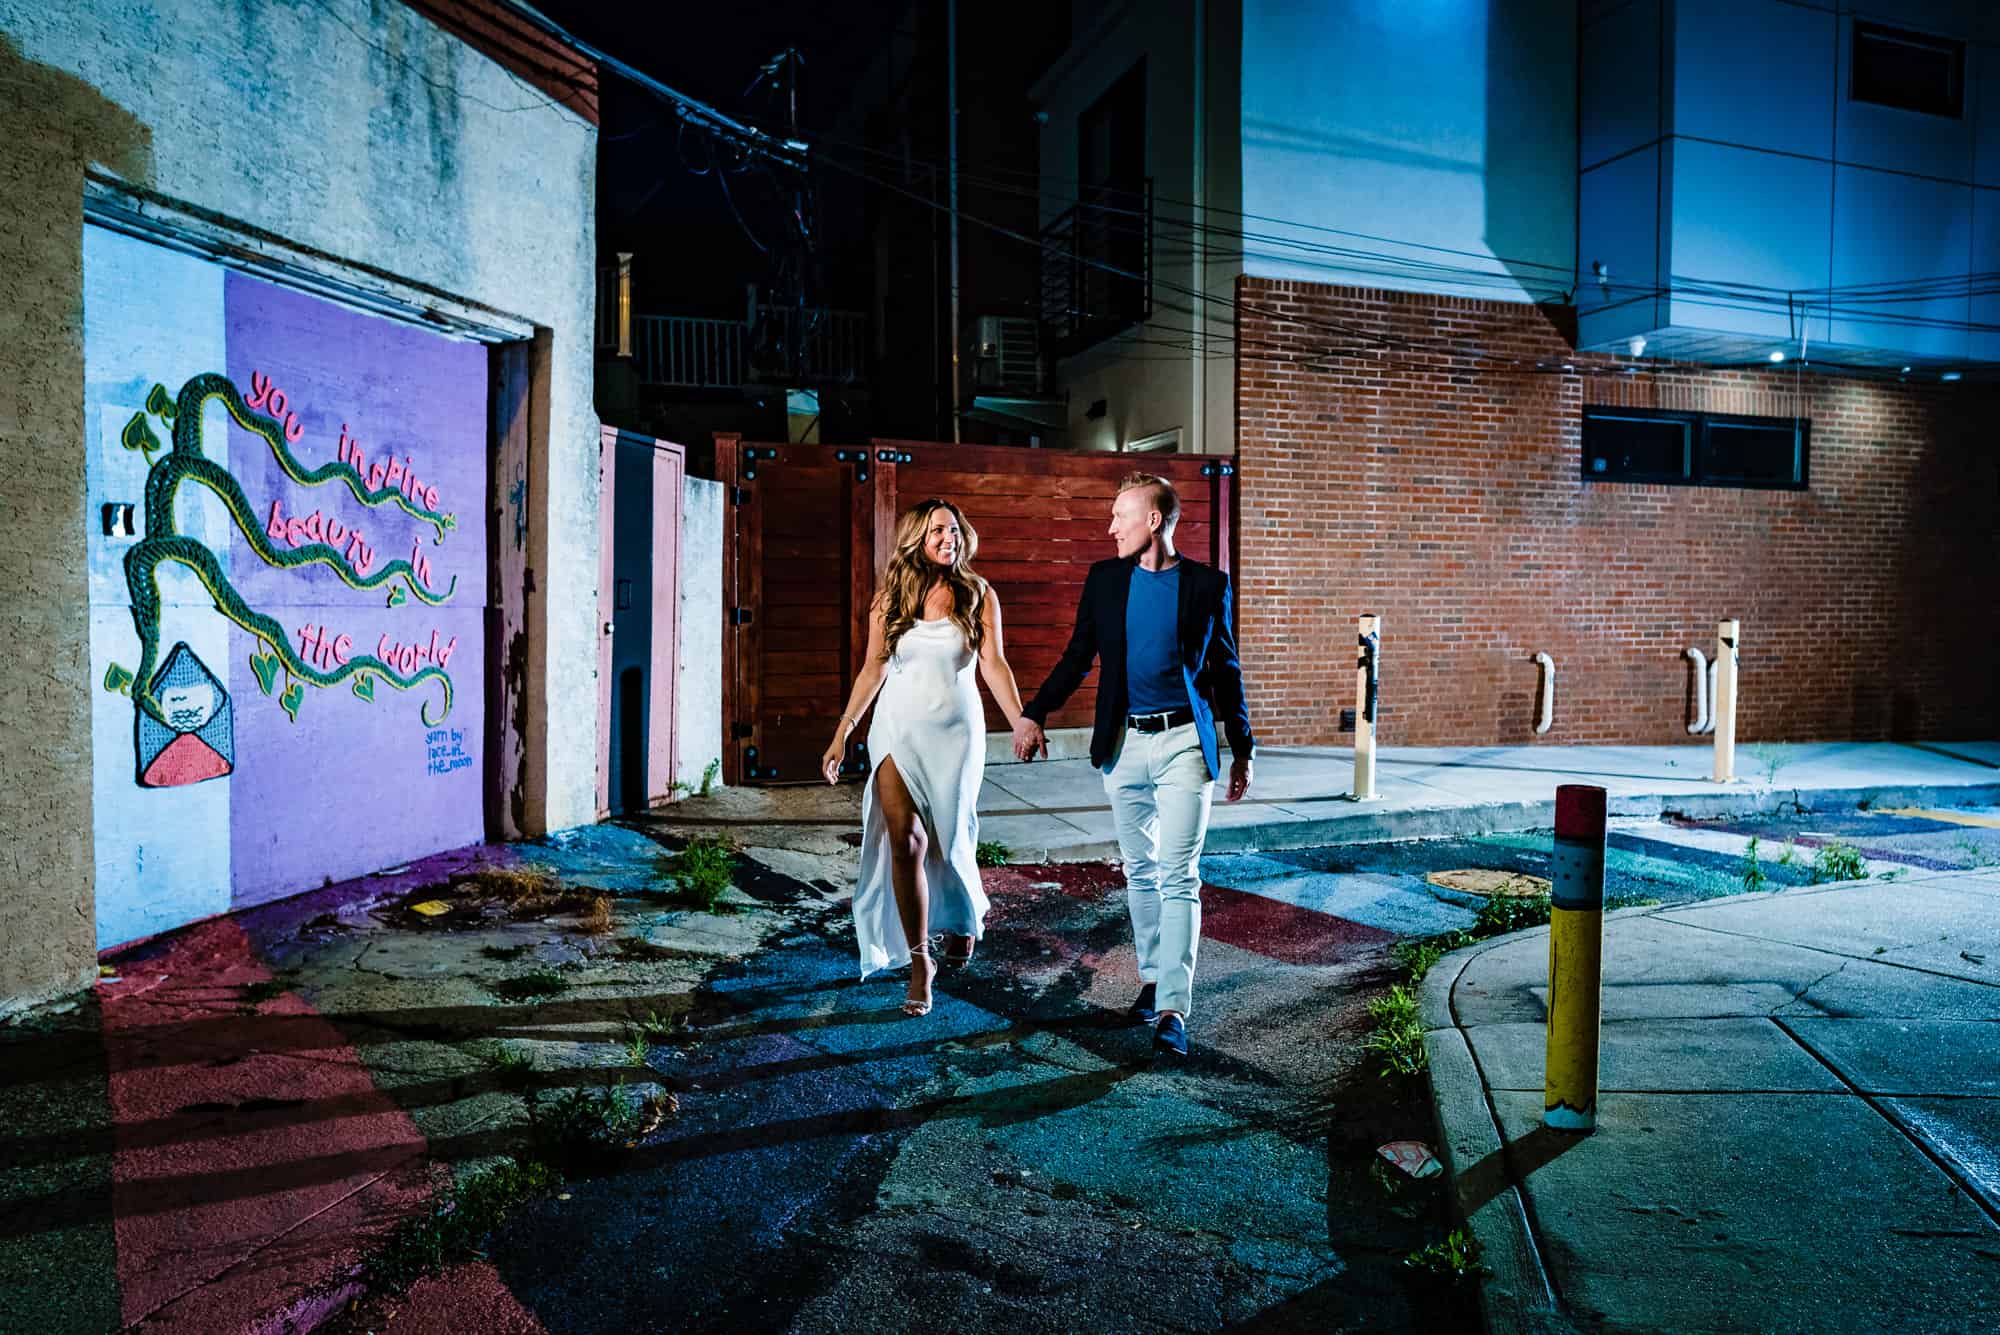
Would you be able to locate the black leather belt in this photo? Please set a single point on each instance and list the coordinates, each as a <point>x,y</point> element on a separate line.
<point>1173,718</point>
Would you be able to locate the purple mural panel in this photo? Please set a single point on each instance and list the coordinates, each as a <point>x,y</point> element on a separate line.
<point>384,448</point>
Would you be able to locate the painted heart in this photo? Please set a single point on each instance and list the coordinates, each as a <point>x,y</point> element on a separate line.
<point>397,595</point>
<point>364,686</point>
<point>117,679</point>
<point>294,696</point>
<point>266,667</point>
<point>138,435</point>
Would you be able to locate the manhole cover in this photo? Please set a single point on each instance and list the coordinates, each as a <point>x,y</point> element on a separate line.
<point>1489,881</point>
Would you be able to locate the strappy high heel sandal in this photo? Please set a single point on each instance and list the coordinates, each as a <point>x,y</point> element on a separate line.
<point>911,1006</point>
<point>955,959</point>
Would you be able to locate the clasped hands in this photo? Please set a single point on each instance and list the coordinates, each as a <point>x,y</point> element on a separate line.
<point>1029,739</point>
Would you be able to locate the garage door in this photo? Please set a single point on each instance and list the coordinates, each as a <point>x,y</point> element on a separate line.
<point>287,642</point>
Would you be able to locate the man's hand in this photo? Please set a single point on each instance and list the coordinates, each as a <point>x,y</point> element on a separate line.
<point>1029,739</point>
<point>1239,778</point>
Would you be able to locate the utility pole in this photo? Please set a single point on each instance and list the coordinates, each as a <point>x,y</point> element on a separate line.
<point>951,99</point>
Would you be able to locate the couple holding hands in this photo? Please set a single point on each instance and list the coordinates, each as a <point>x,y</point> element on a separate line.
<point>1160,627</point>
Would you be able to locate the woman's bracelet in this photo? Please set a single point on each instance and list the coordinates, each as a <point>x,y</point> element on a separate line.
<point>852,724</point>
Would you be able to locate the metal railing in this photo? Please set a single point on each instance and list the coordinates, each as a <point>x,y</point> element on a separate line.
<point>816,346</point>
<point>1097,269</point>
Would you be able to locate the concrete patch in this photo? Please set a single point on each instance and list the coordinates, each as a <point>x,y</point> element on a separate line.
<point>1965,1133</point>
<point>1908,1056</point>
<point>1402,905</point>
<point>1685,1055</point>
<point>1759,1196</point>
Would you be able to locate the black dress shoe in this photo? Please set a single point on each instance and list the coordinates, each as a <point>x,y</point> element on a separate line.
<point>1170,1037</point>
<point>1142,1009</point>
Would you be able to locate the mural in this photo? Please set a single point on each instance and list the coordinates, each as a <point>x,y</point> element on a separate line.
<point>316,540</point>
<point>193,737</point>
<point>285,615</point>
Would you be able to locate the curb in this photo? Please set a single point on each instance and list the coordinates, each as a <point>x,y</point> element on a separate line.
<point>1516,1296</point>
<point>1366,826</point>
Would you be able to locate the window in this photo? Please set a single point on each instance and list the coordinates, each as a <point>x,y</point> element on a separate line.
<point>1694,449</point>
<point>1910,70</point>
<point>1098,256</point>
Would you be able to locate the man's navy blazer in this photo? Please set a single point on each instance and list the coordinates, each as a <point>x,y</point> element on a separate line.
<point>1208,659</point>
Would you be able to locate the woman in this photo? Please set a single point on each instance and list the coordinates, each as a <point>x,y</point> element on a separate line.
<point>931,621</point>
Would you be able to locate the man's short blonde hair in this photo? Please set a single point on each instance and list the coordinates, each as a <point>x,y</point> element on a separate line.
<point>1163,498</point>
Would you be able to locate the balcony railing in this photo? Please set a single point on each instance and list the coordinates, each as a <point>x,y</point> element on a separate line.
<point>1097,270</point>
<point>786,346</point>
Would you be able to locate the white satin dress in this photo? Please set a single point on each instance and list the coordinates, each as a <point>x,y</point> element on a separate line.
<point>929,720</point>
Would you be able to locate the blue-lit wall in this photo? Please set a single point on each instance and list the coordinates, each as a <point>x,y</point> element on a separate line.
<point>1437,136</point>
<point>1719,149</point>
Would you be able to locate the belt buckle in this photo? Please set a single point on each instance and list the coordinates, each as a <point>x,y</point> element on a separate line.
<point>1159,721</point>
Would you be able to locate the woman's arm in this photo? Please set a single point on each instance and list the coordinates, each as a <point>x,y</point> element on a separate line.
<point>866,683</point>
<point>993,663</point>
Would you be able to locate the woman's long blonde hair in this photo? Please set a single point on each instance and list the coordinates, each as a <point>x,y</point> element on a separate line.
<point>911,574</point>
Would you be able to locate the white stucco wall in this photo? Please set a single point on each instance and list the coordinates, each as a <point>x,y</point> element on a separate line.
<point>699,691</point>
<point>353,131</point>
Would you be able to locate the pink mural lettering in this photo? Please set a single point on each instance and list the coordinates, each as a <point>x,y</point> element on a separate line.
<point>407,657</point>
<point>266,397</point>
<point>420,563</point>
<point>359,554</point>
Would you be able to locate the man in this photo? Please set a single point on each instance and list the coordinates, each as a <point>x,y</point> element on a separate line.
<point>1160,625</point>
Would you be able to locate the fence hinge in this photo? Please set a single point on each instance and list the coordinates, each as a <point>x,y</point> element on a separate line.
<point>742,730</point>
<point>739,616</point>
<point>1218,470</point>
<point>895,456</point>
<point>752,455</point>
<point>741,496</point>
<point>859,458</point>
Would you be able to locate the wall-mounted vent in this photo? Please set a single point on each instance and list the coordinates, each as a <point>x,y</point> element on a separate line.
<point>1910,70</point>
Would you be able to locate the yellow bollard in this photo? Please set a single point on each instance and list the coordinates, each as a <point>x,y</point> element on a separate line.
<point>1576,959</point>
<point>1723,703</point>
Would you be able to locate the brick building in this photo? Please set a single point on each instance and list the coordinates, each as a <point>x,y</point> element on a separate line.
<point>1535,329</point>
<point>299,537</point>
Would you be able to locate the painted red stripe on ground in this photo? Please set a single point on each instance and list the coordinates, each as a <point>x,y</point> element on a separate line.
<point>1281,931</point>
<point>235,1207</point>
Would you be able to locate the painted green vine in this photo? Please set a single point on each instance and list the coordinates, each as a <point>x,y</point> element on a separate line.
<point>186,461</point>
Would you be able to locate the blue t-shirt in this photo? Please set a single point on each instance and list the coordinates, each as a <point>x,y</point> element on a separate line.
<point>1154,682</point>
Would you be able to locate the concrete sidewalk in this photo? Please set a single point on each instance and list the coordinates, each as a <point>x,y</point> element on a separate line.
<point>1056,810</point>
<point>1797,1124</point>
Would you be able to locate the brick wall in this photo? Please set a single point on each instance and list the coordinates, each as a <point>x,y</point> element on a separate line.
<point>1401,454</point>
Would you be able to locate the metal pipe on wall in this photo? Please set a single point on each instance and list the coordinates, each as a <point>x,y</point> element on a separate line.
<point>1700,724</point>
<point>1545,714</point>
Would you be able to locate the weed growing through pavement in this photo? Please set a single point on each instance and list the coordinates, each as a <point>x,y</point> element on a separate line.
<point>1511,913</point>
<point>703,872</point>
<point>579,1127</point>
<point>1399,1032</point>
<point>514,1069</point>
<point>1838,860</point>
<point>1974,855</point>
<point>708,776</point>
<point>457,1222</point>
<point>529,986</point>
<point>1416,956</point>
<point>1790,853</point>
<point>1753,870</point>
<point>1455,1259</point>
<point>993,853</point>
<point>1772,758</point>
<point>597,918</point>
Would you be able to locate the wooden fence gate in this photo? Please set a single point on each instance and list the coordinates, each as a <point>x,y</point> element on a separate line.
<point>809,528</point>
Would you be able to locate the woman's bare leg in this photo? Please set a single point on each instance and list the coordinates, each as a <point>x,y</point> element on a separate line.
<point>907,845</point>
